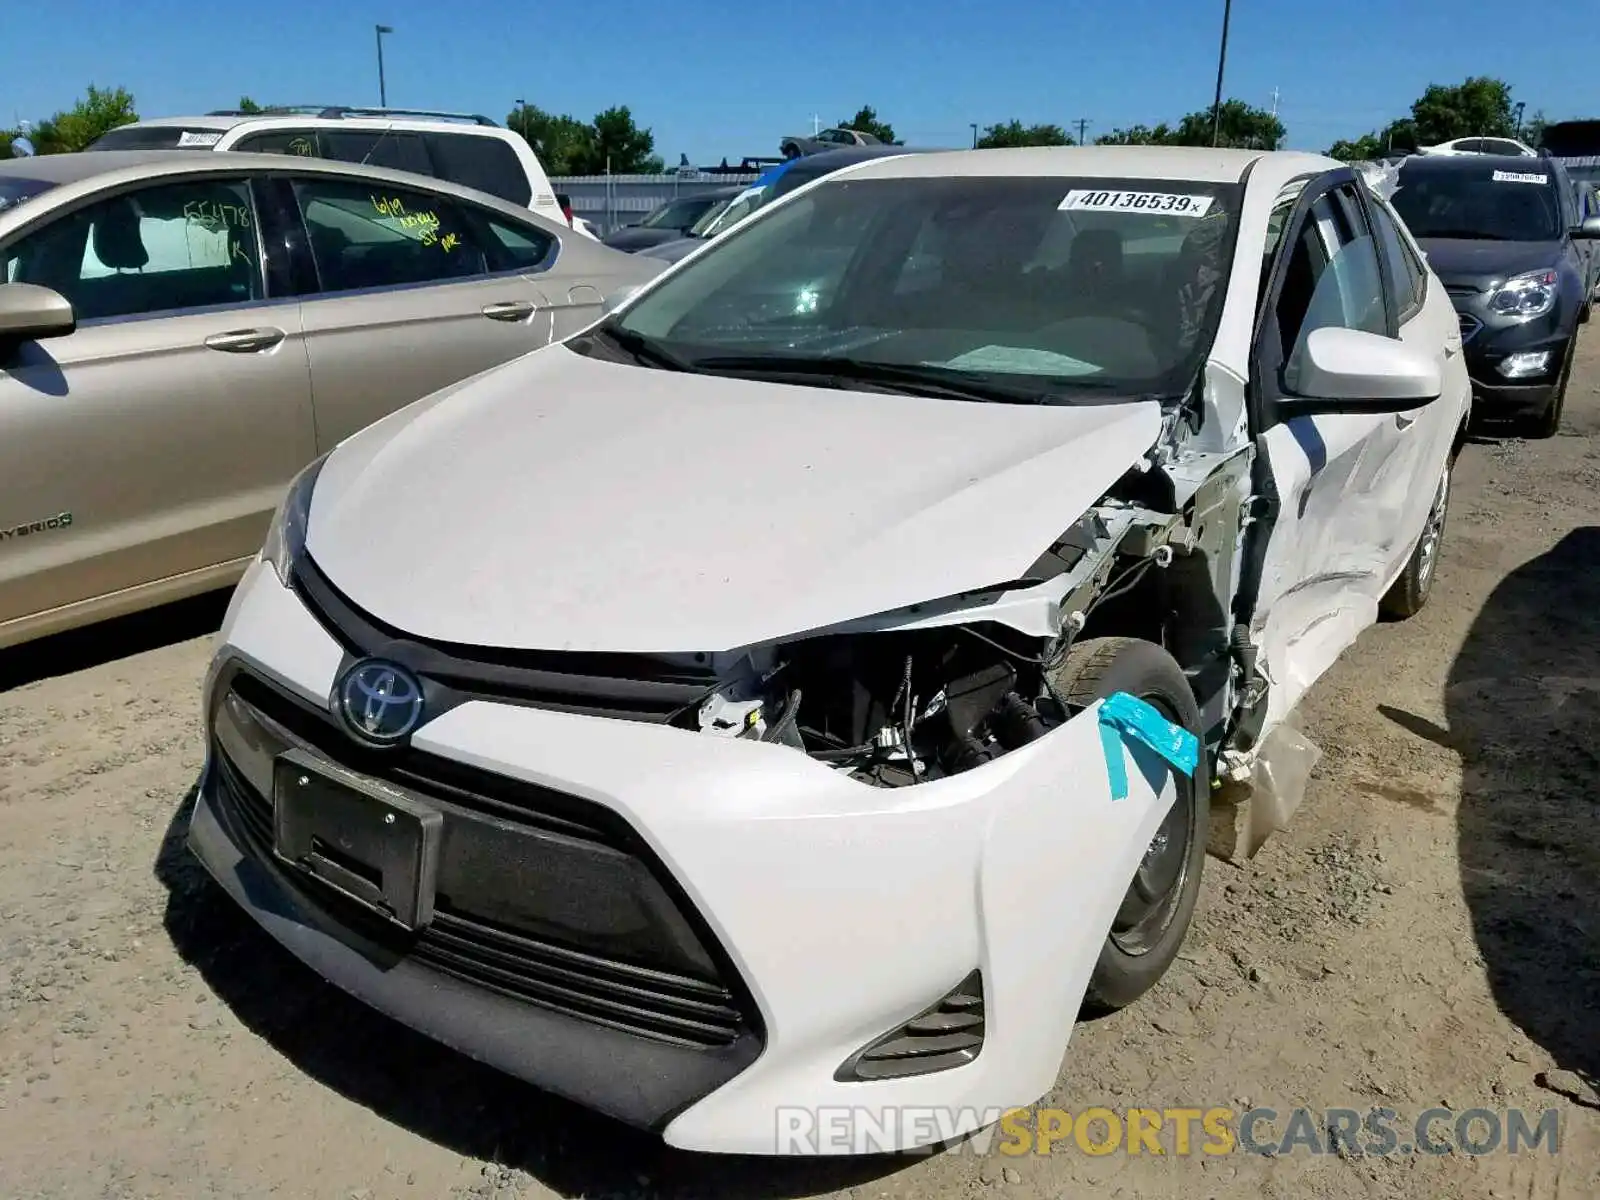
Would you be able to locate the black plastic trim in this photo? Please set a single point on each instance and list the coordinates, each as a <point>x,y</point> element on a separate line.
<point>943,1036</point>
<point>633,687</point>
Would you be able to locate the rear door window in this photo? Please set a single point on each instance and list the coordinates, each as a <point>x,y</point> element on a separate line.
<point>487,164</point>
<point>364,237</point>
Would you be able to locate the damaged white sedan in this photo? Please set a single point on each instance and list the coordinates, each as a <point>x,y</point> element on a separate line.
<point>802,692</point>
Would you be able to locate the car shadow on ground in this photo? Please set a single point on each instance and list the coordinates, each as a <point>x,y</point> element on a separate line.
<point>436,1093</point>
<point>107,641</point>
<point>1523,706</point>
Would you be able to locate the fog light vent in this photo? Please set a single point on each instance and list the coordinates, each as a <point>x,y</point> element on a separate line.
<point>949,1034</point>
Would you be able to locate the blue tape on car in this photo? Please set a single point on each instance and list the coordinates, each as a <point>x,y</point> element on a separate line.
<point>1123,716</point>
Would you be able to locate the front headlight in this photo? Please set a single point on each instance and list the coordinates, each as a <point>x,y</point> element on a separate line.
<point>1529,295</point>
<point>286,536</point>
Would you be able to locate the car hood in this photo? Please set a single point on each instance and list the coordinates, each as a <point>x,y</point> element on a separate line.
<point>637,238</point>
<point>674,251</point>
<point>1471,263</point>
<point>567,503</point>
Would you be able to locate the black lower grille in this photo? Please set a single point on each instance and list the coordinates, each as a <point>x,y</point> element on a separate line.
<point>949,1034</point>
<point>513,876</point>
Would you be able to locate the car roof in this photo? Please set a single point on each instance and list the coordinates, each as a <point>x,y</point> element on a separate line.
<point>1444,164</point>
<point>134,166</point>
<point>1199,164</point>
<point>209,121</point>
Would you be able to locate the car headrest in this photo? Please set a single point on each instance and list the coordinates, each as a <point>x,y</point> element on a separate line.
<point>117,240</point>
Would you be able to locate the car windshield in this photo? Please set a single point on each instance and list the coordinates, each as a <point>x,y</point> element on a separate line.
<point>677,214</point>
<point>709,218</point>
<point>1488,203</point>
<point>727,215</point>
<point>15,190</point>
<point>1064,289</point>
<point>157,137</point>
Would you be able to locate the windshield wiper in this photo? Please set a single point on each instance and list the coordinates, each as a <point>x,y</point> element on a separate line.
<point>644,349</point>
<point>1468,235</point>
<point>901,377</point>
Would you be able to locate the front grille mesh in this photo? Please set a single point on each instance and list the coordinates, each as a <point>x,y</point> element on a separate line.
<point>650,1003</point>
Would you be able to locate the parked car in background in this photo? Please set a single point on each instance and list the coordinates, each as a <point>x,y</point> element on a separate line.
<point>1503,234</point>
<point>463,148</point>
<point>826,139</point>
<point>573,219</point>
<point>779,181</point>
<point>672,221</point>
<point>1480,145</point>
<point>180,333</point>
<point>770,703</point>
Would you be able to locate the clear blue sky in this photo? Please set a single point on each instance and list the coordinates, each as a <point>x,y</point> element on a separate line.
<point>731,78</point>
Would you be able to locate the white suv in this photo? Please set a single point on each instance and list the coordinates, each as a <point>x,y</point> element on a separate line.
<point>463,148</point>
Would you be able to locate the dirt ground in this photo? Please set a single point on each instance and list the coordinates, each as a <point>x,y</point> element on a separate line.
<point>1426,933</point>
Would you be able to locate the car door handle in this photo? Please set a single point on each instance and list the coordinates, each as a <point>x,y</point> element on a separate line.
<point>245,341</point>
<point>510,310</point>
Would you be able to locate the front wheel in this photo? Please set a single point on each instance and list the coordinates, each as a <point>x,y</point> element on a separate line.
<point>1547,423</point>
<point>1409,593</point>
<point>1154,918</point>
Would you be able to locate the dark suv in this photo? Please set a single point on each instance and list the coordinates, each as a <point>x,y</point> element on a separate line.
<point>1501,234</point>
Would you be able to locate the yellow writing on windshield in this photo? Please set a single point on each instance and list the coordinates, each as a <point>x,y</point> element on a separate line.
<point>302,147</point>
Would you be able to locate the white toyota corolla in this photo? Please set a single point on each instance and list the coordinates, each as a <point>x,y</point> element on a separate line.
<point>801,693</point>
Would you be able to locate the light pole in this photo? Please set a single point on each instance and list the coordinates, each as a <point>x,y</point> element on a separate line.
<point>383,91</point>
<point>974,135</point>
<point>1222,61</point>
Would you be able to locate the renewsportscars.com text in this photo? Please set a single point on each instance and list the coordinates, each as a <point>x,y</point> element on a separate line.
<point>1179,1132</point>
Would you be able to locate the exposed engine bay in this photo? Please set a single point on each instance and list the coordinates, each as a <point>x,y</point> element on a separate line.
<point>895,708</point>
<point>918,696</point>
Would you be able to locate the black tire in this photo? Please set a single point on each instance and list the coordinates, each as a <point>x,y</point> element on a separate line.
<point>790,150</point>
<point>1410,592</point>
<point>1134,958</point>
<point>1548,423</point>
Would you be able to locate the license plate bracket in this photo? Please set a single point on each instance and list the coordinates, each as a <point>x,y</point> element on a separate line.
<point>375,845</point>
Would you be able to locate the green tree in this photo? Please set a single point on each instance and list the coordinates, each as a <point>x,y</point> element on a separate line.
<point>1015,133</point>
<point>1364,148</point>
<point>1533,128</point>
<point>866,121</point>
<point>1137,135</point>
<point>563,143</point>
<point>1478,107</point>
<point>1242,126</point>
<point>247,105</point>
<point>621,146</point>
<point>101,110</point>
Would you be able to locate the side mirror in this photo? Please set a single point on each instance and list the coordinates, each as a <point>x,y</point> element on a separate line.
<point>1588,228</point>
<point>29,312</point>
<point>1351,371</point>
<point>619,297</point>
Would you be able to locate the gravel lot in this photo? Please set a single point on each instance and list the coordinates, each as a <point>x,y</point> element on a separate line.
<point>1426,934</point>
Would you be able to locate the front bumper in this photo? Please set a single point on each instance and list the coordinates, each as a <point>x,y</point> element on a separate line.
<point>1488,342</point>
<point>826,911</point>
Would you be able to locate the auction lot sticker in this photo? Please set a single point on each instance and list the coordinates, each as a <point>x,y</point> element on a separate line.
<point>1519,177</point>
<point>1166,203</point>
